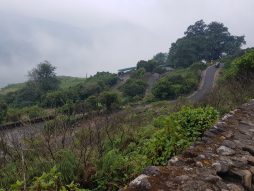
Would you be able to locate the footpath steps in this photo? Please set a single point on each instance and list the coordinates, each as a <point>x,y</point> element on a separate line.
<point>223,160</point>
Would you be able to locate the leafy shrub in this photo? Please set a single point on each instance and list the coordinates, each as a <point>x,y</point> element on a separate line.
<point>32,112</point>
<point>177,83</point>
<point>66,165</point>
<point>139,73</point>
<point>160,70</point>
<point>147,65</point>
<point>13,115</point>
<point>177,131</point>
<point>47,181</point>
<point>26,113</point>
<point>54,99</point>
<point>111,169</point>
<point>110,100</point>
<point>195,121</point>
<point>134,88</point>
<point>243,67</point>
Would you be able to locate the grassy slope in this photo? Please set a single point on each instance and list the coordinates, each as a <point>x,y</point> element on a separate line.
<point>65,82</point>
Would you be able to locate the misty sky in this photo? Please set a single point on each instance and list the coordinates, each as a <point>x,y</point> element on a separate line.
<point>82,37</point>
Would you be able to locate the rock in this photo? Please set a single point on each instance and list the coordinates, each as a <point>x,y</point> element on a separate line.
<point>226,117</point>
<point>234,187</point>
<point>250,160</point>
<point>181,179</point>
<point>141,182</point>
<point>212,178</point>
<point>201,157</point>
<point>229,144</point>
<point>221,167</point>
<point>228,134</point>
<point>220,124</point>
<point>199,164</point>
<point>247,178</point>
<point>152,171</point>
<point>239,162</point>
<point>209,134</point>
<point>223,150</point>
<point>173,160</point>
<point>250,149</point>
<point>244,175</point>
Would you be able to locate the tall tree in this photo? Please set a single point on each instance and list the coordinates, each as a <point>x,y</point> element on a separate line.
<point>197,29</point>
<point>160,58</point>
<point>203,41</point>
<point>44,77</point>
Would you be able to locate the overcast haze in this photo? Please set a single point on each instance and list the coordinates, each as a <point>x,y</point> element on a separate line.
<point>82,37</point>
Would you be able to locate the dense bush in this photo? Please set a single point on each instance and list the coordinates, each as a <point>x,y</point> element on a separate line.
<point>26,113</point>
<point>177,131</point>
<point>152,145</point>
<point>149,66</point>
<point>54,99</point>
<point>177,83</point>
<point>47,181</point>
<point>138,74</point>
<point>134,88</point>
<point>242,68</point>
<point>110,100</point>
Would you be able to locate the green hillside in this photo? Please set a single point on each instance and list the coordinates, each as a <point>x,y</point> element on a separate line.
<point>65,82</point>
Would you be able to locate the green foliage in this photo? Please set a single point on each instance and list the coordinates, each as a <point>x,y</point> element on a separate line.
<point>139,73</point>
<point>3,111</point>
<point>134,88</point>
<point>11,88</point>
<point>92,103</point>
<point>68,81</point>
<point>33,112</point>
<point>160,58</point>
<point>242,67</point>
<point>112,169</point>
<point>151,146</point>
<point>203,41</point>
<point>26,96</point>
<point>236,84</point>
<point>159,70</point>
<point>49,181</point>
<point>44,77</point>
<point>177,131</point>
<point>195,121</point>
<point>149,65</point>
<point>66,164</point>
<point>110,100</point>
<point>177,83</point>
<point>108,79</point>
<point>26,113</point>
<point>54,99</point>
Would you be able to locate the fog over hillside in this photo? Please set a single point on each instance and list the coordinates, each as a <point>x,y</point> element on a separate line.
<point>27,41</point>
<point>87,36</point>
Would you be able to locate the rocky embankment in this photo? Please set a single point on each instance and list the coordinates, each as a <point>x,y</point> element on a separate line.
<point>222,160</point>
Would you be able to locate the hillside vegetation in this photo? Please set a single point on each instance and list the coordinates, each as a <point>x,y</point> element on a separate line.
<point>65,82</point>
<point>103,135</point>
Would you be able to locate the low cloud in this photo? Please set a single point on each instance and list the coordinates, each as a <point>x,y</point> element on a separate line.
<point>85,36</point>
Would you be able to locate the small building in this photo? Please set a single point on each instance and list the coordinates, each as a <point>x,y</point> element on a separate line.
<point>125,70</point>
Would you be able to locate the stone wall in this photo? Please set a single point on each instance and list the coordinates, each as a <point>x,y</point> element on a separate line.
<point>222,160</point>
